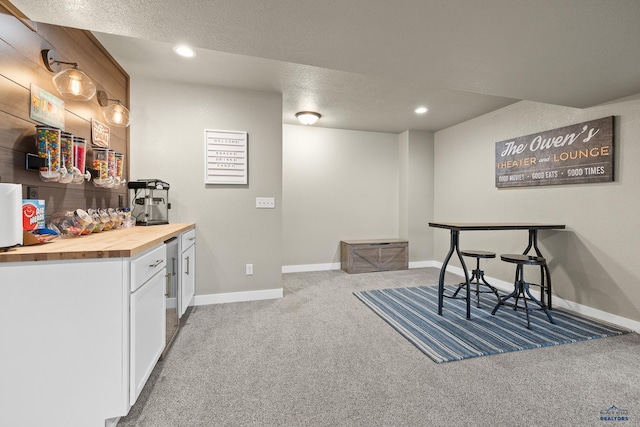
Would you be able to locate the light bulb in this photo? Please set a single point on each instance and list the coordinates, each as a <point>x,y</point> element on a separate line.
<point>117,114</point>
<point>74,86</point>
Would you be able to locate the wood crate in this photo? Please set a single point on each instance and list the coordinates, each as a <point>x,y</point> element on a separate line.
<point>365,256</point>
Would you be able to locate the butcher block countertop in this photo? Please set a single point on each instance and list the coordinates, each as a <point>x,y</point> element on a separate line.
<point>126,242</point>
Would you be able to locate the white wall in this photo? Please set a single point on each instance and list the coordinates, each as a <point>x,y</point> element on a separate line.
<point>594,262</point>
<point>167,142</point>
<point>337,185</point>
<point>345,184</point>
<point>416,193</point>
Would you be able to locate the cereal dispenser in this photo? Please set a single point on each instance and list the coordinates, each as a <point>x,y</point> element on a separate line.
<point>120,181</point>
<point>66,158</point>
<point>79,160</point>
<point>101,166</point>
<point>111,168</point>
<point>48,140</point>
<point>149,201</point>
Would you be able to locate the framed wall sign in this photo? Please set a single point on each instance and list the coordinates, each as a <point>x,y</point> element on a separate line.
<point>577,154</point>
<point>46,108</point>
<point>100,134</point>
<point>226,157</point>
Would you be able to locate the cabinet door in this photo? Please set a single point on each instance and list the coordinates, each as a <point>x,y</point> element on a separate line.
<point>147,331</point>
<point>188,279</point>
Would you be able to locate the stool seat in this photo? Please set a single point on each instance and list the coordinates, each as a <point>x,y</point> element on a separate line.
<point>521,287</point>
<point>523,259</point>
<point>478,254</point>
<point>478,275</point>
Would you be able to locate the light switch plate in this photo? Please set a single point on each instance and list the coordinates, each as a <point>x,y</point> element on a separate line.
<point>265,202</point>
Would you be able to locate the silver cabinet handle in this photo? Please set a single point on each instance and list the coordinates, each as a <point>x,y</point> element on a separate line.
<point>168,282</point>
<point>192,238</point>
<point>187,259</point>
<point>157,263</point>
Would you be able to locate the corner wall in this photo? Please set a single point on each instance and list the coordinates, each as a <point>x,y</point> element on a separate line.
<point>337,185</point>
<point>167,134</point>
<point>593,262</point>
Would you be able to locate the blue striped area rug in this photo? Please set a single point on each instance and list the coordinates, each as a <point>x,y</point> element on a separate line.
<point>414,313</point>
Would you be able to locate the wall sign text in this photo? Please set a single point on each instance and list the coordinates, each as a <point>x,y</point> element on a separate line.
<point>577,154</point>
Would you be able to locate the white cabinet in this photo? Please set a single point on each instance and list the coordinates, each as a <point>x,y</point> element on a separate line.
<point>187,283</point>
<point>65,342</point>
<point>147,317</point>
<point>93,329</point>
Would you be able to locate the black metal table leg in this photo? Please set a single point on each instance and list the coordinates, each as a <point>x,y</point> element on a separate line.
<point>544,269</point>
<point>454,247</point>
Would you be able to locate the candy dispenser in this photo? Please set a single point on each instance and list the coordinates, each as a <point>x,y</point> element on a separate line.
<point>48,141</point>
<point>101,166</point>
<point>66,158</point>
<point>120,170</point>
<point>79,160</point>
<point>111,168</point>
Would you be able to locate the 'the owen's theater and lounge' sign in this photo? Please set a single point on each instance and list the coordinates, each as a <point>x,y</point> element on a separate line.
<point>581,153</point>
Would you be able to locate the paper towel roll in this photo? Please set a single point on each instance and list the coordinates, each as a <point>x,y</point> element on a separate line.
<point>10,215</point>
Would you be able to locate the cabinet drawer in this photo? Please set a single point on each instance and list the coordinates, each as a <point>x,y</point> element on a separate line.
<point>146,265</point>
<point>364,257</point>
<point>188,239</point>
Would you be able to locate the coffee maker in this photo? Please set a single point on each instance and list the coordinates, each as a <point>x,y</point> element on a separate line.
<point>149,201</point>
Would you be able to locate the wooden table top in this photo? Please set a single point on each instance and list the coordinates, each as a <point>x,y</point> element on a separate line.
<point>126,242</point>
<point>496,226</point>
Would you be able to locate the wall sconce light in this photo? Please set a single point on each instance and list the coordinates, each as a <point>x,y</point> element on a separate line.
<point>115,114</point>
<point>71,83</point>
<point>308,117</point>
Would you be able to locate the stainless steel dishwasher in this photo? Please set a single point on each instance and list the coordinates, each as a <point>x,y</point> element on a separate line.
<point>172,319</point>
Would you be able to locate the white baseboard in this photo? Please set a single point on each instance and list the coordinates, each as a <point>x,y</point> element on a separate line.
<point>238,296</point>
<point>423,264</point>
<point>310,267</point>
<point>336,266</point>
<point>560,303</point>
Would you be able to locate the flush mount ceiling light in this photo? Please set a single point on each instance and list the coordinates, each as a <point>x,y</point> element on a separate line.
<point>115,114</point>
<point>421,110</point>
<point>71,83</point>
<point>184,50</point>
<point>308,117</point>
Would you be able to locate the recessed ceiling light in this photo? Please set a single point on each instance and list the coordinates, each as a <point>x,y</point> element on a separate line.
<point>184,50</point>
<point>421,110</point>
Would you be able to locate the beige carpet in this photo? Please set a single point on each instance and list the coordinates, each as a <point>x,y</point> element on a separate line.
<point>319,357</point>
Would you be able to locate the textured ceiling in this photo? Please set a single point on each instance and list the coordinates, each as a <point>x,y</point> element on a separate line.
<point>367,64</point>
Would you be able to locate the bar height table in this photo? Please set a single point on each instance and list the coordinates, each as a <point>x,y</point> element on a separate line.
<point>455,229</point>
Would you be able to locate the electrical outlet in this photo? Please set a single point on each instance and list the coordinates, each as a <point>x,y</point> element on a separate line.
<point>32,192</point>
<point>249,269</point>
<point>265,202</point>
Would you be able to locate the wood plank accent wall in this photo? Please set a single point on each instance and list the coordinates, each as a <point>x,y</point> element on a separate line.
<point>21,65</point>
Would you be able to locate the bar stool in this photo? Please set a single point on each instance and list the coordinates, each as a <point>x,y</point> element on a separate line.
<point>478,275</point>
<point>521,288</point>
